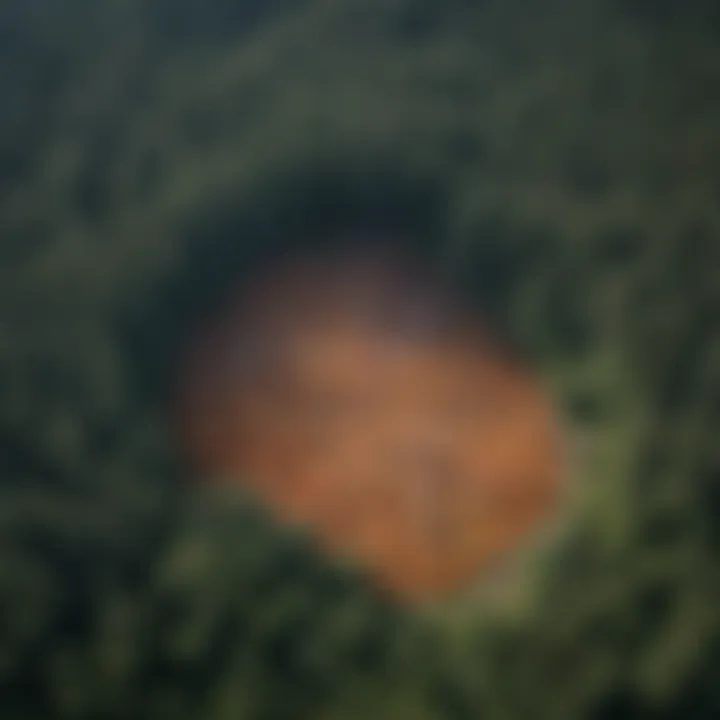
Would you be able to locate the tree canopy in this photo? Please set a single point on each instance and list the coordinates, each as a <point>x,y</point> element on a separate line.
<point>559,160</point>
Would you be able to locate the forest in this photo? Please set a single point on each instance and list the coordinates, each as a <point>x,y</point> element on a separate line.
<point>559,160</point>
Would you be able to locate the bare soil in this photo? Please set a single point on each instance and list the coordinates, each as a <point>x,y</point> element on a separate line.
<point>355,395</point>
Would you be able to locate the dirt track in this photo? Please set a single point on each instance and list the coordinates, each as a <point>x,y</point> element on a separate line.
<point>356,396</point>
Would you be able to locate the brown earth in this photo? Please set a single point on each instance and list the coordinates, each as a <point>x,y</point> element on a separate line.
<point>357,397</point>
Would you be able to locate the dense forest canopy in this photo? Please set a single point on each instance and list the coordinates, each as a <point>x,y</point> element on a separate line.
<point>559,160</point>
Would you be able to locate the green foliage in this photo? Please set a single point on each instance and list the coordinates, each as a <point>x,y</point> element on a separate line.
<point>558,160</point>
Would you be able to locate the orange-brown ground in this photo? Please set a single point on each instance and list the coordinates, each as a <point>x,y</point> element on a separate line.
<point>356,397</point>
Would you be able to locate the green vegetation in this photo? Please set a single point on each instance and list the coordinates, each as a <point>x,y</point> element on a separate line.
<point>559,159</point>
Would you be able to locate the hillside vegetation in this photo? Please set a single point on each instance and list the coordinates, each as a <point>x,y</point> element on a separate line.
<point>559,160</point>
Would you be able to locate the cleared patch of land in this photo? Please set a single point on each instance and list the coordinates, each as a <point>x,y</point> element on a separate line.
<point>356,395</point>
